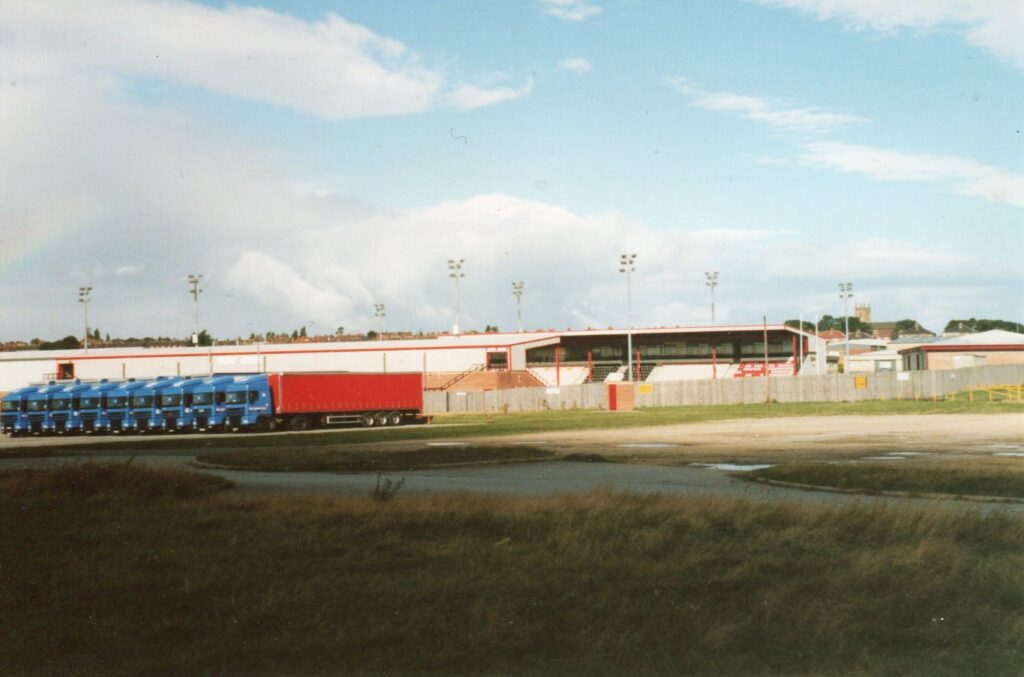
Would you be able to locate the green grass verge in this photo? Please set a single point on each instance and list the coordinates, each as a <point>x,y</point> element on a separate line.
<point>981,476</point>
<point>475,425</point>
<point>320,459</point>
<point>133,571</point>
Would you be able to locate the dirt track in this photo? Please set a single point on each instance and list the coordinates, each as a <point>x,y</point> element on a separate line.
<point>786,438</point>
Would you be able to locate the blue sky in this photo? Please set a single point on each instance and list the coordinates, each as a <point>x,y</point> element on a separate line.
<point>311,159</point>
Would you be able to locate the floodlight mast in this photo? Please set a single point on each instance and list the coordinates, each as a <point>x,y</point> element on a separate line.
<point>455,272</point>
<point>845,293</point>
<point>517,291</point>
<point>626,266</point>
<point>380,314</point>
<point>194,280</point>
<point>712,282</point>
<point>83,298</point>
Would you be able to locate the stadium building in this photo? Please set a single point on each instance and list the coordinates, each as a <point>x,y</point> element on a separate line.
<point>460,363</point>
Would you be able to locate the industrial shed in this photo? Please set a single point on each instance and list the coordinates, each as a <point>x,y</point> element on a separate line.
<point>970,350</point>
<point>464,362</point>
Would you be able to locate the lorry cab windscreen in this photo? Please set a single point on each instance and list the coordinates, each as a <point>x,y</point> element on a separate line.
<point>170,400</point>
<point>142,401</point>
<point>10,405</point>
<point>89,403</point>
<point>117,402</point>
<point>236,398</point>
<point>60,403</point>
<point>202,398</point>
<point>37,405</point>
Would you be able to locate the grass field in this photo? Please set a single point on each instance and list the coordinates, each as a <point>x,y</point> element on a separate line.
<point>126,570</point>
<point>476,425</point>
<point>325,459</point>
<point>966,476</point>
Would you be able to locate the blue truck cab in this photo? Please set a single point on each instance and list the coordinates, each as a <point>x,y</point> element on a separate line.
<point>64,409</point>
<point>143,404</point>
<point>92,404</point>
<point>118,400</point>
<point>174,405</point>
<point>248,403</point>
<point>39,408</point>
<point>207,410</point>
<point>14,419</point>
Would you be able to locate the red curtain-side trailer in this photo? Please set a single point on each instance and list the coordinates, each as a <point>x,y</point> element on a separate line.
<point>326,398</point>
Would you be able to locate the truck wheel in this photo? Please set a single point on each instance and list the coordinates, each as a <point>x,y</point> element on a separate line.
<point>394,418</point>
<point>265,424</point>
<point>368,420</point>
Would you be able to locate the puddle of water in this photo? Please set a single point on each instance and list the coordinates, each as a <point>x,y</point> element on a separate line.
<point>447,444</point>
<point>647,445</point>
<point>1006,446</point>
<point>741,467</point>
<point>891,457</point>
<point>1009,453</point>
<point>901,454</point>
<point>530,443</point>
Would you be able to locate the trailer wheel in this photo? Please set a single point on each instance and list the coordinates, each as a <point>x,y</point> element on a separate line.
<point>382,418</point>
<point>299,423</point>
<point>369,419</point>
<point>394,418</point>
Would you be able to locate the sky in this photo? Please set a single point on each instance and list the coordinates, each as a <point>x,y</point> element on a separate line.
<point>312,159</point>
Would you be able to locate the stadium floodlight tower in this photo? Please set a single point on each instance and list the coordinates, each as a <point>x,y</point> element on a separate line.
<point>455,272</point>
<point>712,282</point>
<point>845,293</point>
<point>83,298</point>
<point>626,266</point>
<point>517,291</point>
<point>193,280</point>
<point>380,314</point>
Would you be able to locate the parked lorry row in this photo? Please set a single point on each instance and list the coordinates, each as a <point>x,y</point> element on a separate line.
<point>262,402</point>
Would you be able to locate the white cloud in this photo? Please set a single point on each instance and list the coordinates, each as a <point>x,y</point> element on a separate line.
<point>261,275</point>
<point>330,68</point>
<point>995,25</point>
<point>964,175</point>
<point>570,10</point>
<point>763,110</point>
<point>467,97</point>
<point>128,270</point>
<point>577,65</point>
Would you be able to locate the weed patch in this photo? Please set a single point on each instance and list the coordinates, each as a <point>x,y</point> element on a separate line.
<point>964,477</point>
<point>127,577</point>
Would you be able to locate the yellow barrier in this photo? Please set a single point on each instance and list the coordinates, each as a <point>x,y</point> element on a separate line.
<point>1013,392</point>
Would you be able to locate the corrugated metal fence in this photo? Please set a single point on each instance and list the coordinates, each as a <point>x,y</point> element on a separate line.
<point>809,388</point>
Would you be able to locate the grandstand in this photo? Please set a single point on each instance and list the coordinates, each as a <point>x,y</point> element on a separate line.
<point>465,362</point>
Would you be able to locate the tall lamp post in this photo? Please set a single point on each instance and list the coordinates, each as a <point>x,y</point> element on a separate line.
<point>83,298</point>
<point>455,272</point>
<point>380,314</point>
<point>193,280</point>
<point>712,282</point>
<point>845,293</point>
<point>626,266</point>
<point>517,291</point>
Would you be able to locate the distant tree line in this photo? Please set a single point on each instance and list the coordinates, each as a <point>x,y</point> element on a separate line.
<point>827,322</point>
<point>974,325</point>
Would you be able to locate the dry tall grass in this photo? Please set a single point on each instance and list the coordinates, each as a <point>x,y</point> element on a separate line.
<point>128,570</point>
